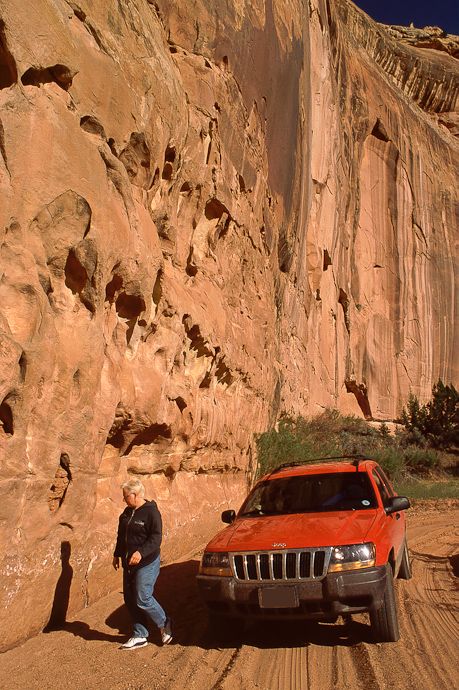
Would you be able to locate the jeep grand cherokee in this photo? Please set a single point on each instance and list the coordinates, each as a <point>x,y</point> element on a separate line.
<point>311,541</point>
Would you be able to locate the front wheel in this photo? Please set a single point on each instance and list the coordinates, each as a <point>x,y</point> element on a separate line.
<point>384,621</point>
<point>405,566</point>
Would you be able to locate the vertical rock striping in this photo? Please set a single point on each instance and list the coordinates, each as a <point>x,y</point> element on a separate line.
<point>212,214</point>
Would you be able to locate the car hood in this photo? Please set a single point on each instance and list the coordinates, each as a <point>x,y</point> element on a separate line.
<point>294,531</point>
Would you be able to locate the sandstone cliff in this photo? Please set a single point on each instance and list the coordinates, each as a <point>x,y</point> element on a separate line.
<point>212,213</point>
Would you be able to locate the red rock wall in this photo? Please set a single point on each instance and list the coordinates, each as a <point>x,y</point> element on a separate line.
<point>211,214</point>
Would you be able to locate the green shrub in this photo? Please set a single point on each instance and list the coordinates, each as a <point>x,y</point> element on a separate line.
<point>421,460</point>
<point>384,431</point>
<point>437,422</point>
<point>295,440</point>
<point>391,459</point>
<point>422,489</point>
<point>331,434</point>
<point>327,435</point>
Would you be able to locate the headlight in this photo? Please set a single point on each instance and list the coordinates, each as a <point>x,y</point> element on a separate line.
<point>352,557</point>
<point>215,564</point>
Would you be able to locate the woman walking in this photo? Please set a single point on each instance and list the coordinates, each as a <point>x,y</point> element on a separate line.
<point>138,549</point>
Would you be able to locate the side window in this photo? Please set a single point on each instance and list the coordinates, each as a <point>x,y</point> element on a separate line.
<point>382,489</point>
<point>385,481</point>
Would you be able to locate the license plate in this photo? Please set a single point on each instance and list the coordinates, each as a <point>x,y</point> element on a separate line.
<point>278,598</point>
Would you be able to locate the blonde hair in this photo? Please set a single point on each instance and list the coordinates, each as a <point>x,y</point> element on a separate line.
<point>135,486</point>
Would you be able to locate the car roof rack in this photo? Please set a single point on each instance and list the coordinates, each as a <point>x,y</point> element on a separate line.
<point>356,460</point>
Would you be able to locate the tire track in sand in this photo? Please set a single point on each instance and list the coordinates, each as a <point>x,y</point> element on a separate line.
<point>337,656</point>
<point>425,657</point>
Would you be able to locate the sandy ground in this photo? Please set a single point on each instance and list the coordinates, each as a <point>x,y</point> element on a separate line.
<point>86,654</point>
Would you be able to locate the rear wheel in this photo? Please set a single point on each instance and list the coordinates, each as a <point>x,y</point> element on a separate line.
<point>405,566</point>
<point>384,621</point>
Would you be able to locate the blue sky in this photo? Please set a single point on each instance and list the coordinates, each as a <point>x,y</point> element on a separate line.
<point>442,13</point>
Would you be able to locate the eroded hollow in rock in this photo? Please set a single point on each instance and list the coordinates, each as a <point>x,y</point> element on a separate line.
<point>92,125</point>
<point>157,289</point>
<point>169,160</point>
<point>170,154</point>
<point>77,280</point>
<point>75,274</point>
<point>155,433</point>
<point>60,485</point>
<point>361,395</point>
<point>181,404</point>
<point>129,306</point>
<point>112,288</point>
<point>60,74</point>
<point>215,209</point>
<point>8,71</point>
<point>198,343</point>
<point>191,268</point>
<point>22,367</point>
<point>344,301</point>
<point>136,158</point>
<point>205,383</point>
<point>223,374</point>
<point>379,131</point>
<point>121,423</point>
<point>167,172</point>
<point>284,251</point>
<point>6,419</point>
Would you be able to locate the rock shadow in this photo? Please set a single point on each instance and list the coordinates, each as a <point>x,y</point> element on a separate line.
<point>83,630</point>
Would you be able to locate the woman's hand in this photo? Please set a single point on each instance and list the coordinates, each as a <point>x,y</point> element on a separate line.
<point>135,558</point>
<point>116,562</point>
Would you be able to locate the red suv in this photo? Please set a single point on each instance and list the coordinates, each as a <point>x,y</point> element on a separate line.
<point>311,541</point>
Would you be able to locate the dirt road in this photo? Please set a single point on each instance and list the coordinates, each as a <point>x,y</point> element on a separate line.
<point>86,655</point>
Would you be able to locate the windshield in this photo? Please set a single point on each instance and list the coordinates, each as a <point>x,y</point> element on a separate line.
<point>311,494</point>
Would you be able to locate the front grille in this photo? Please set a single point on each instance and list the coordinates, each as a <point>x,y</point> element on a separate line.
<point>291,565</point>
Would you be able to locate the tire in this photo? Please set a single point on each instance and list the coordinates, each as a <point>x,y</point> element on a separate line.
<point>404,572</point>
<point>384,621</point>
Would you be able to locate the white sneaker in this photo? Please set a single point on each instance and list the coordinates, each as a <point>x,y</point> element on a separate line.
<point>135,643</point>
<point>166,631</point>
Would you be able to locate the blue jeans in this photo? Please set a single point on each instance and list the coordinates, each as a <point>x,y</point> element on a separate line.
<point>138,597</point>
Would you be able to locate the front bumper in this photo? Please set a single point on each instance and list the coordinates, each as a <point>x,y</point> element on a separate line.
<point>353,591</point>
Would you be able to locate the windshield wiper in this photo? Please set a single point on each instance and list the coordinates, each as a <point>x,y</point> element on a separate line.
<point>251,513</point>
<point>259,511</point>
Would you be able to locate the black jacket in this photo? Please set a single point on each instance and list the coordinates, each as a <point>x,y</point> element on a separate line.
<point>139,530</point>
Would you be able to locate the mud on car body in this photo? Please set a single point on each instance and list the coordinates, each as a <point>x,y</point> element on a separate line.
<point>311,541</point>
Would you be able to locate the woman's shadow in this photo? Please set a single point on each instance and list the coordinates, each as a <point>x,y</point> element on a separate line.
<point>58,616</point>
<point>62,591</point>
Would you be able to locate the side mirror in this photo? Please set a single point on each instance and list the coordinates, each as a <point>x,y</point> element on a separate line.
<point>397,503</point>
<point>228,516</point>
